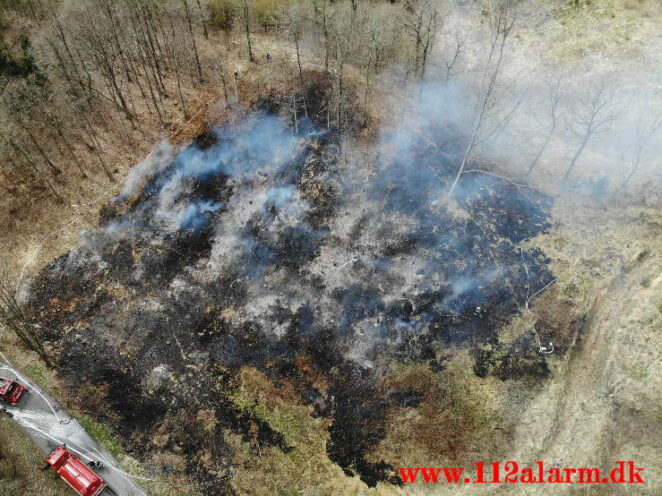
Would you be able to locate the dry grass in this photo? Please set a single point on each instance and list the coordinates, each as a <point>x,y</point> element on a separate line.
<point>38,228</point>
<point>612,27</point>
<point>20,462</point>
<point>304,470</point>
<point>28,478</point>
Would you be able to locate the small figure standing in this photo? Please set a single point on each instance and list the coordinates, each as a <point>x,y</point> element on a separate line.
<point>97,465</point>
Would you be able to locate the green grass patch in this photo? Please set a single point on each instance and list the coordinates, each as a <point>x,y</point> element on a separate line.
<point>36,373</point>
<point>638,370</point>
<point>102,434</point>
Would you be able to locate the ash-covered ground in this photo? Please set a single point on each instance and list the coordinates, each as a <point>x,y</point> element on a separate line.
<point>260,246</point>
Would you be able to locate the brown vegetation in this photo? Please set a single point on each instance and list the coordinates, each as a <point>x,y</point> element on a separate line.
<point>19,463</point>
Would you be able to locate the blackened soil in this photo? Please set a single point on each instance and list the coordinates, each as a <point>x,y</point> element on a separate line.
<point>127,315</point>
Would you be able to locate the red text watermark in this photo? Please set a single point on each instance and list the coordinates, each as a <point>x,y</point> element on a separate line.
<point>511,472</point>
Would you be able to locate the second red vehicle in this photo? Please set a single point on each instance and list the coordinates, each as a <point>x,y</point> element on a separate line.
<point>10,390</point>
<point>75,473</point>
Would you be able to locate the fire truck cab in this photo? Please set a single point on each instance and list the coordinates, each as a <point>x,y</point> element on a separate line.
<point>10,390</point>
<point>74,472</point>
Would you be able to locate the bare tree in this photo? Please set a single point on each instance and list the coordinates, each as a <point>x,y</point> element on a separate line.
<point>323,24</point>
<point>645,129</point>
<point>247,29</point>
<point>293,25</point>
<point>501,16</point>
<point>20,151</point>
<point>193,43</point>
<point>371,63</point>
<point>342,33</point>
<point>94,35</point>
<point>202,19</point>
<point>590,116</point>
<point>13,318</point>
<point>175,62</point>
<point>221,75</point>
<point>420,20</point>
<point>553,101</point>
<point>451,62</point>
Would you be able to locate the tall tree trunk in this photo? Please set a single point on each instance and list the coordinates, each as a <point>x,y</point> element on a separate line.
<point>535,160</point>
<point>195,46</point>
<point>153,30</point>
<point>247,29</point>
<point>97,150</point>
<point>36,170</point>
<point>54,124</point>
<point>483,107</point>
<point>573,162</point>
<point>56,170</point>
<point>325,30</point>
<point>116,41</point>
<point>633,169</point>
<point>202,17</point>
<point>303,87</point>
<point>150,36</point>
<point>13,318</point>
<point>221,73</point>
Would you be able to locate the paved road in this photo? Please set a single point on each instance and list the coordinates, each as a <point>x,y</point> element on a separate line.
<point>49,426</point>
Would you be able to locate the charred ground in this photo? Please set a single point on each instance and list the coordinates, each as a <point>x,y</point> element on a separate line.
<point>259,245</point>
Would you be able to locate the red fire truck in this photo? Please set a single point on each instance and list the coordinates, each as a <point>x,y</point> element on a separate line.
<point>74,472</point>
<point>10,390</point>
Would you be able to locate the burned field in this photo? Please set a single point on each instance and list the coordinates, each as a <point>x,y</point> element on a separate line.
<point>256,246</point>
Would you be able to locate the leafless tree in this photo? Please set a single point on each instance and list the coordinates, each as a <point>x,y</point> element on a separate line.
<point>501,16</point>
<point>36,171</point>
<point>247,29</point>
<point>646,128</point>
<point>293,24</point>
<point>202,20</point>
<point>221,74</point>
<point>189,22</point>
<point>553,101</point>
<point>451,63</point>
<point>324,24</point>
<point>14,319</point>
<point>420,20</point>
<point>175,62</point>
<point>589,116</point>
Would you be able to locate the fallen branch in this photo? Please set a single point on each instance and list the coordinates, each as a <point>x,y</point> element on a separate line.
<point>500,177</point>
